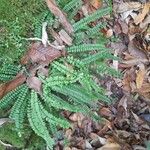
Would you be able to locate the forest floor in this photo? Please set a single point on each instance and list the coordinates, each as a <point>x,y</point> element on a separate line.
<point>127,121</point>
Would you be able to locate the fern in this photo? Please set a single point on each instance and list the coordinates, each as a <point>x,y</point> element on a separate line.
<point>70,84</point>
<point>18,110</point>
<point>96,15</point>
<point>36,120</point>
<point>8,72</point>
<point>86,47</point>
<point>8,99</point>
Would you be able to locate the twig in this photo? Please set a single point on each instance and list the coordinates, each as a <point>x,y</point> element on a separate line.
<point>4,144</point>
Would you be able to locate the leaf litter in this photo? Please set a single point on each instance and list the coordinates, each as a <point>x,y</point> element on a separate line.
<point>126,122</point>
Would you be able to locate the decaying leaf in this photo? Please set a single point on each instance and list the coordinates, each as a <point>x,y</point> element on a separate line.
<point>128,6</point>
<point>11,85</point>
<point>34,83</point>
<point>140,75</point>
<point>65,37</point>
<point>58,13</point>
<point>40,54</point>
<point>96,3</point>
<point>140,17</point>
<point>110,146</point>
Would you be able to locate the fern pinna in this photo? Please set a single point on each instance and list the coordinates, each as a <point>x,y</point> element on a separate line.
<point>70,83</point>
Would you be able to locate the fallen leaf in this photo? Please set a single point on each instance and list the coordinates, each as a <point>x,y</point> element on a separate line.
<point>140,17</point>
<point>104,111</point>
<point>11,85</point>
<point>140,75</point>
<point>58,13</point>
<point>96,3</point>
<point>65,37</point>
<point>128,6</point>
<point>110,146</point>
<point>37,53</point>
<point>34,83</point>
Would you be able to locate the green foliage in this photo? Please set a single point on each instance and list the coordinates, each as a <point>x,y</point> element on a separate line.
<point>70,84</point>
<point>8,72</point>
<point>17,21</point>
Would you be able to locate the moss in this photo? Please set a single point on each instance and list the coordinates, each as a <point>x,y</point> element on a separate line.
<point>17,21</point>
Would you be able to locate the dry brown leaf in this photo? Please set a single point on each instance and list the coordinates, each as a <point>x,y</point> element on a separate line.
<point>140,17</point>
<point>140,76</point>
<point>128,6</point>
<point>110,146</point>
<point>65,37</point>
<point>11,85</point>
<point>62,18</point>
<point>96,3</point>
<point>40,54</point>
<point>34,83</point>
<point>104,111</point>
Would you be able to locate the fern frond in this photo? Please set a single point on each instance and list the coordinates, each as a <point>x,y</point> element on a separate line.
<point>10,98</point>
<point>71,5</point>
<point>18,111</point>
<point>8,72</point>
<point>104,69</point>
<point>100,55</point>
<point>38,24</point>
<point>75,62</point>
<point>85,47</point>
<point>76,92</point>
<point>54,120</point>
<point>36,120</point>
<point>95,29</point>
<point>92,17</point>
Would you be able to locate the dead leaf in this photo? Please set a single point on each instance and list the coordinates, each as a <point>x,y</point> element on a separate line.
<point>40,54</point>
<point>128,6</point>
<point>110,146</point>
<point>11,85</point>
<point>109,33</point>
<point>65,37</point>
<point>123,103</point>
<point>96,3</point>
<point>58,13</point>
<point>140,75</point>
<point>104,111</point>
<point>34,83</point>
<point>140,17</point>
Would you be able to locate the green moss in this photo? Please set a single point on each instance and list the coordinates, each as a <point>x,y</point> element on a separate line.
<point>17,20</point>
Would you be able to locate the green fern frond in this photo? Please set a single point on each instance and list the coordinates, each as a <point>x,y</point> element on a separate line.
<point>54,120</point>
<point>75,62</point>
<point>10,98</point>
<point>85,47</point>
<point>95,29</point>
<point>71,5</point>
<point>100,55</point>
<point>92,17</point>
<point>76,92</point>
<point>8,72</point>
<point>104,69</point>
<point>38,23</point>
<point>36,120</point>
<point>18,110</point>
